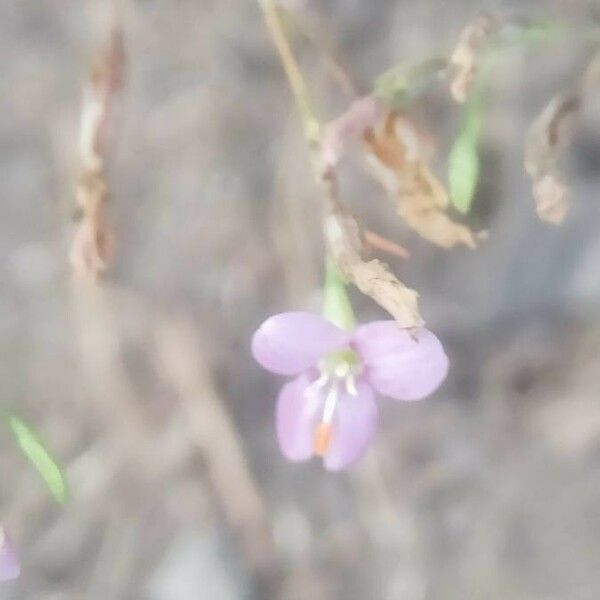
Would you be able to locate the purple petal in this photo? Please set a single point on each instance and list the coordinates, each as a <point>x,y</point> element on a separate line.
<point>354,425</point>
<point>9,563</point>
<point>399,364</point>
<point>292,342</point>
<point>297,415</point>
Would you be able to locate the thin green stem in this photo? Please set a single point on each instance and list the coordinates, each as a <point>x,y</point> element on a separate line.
<point>298,86</point>
<point>337,307</point>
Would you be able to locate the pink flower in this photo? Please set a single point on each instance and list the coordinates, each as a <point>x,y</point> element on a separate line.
<point>9,563</point>
<point>329,408</point>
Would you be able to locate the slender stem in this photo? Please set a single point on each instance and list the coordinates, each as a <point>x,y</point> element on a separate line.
<point>337,307</point>
<point>292,70</point>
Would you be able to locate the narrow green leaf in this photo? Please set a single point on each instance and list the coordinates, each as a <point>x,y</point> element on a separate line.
<point>398,86</point>
<point>35,451</point>
<point>524,34</point>
<point>463,172</point>
<point>463,160</point>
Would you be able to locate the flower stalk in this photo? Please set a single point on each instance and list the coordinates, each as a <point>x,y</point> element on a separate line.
<point>337,307</point>
<point>336,304</point>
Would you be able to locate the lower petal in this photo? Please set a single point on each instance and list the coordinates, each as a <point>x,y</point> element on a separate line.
<point>354,425</point>
<point>297,415</point>
<point>401,364</point>
<point>9,563</point>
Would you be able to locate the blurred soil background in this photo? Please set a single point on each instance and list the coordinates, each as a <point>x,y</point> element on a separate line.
<point>145,388</point>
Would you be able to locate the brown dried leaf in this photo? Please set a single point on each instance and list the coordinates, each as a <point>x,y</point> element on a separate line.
<point>552,198</point>
<point>549,134</point>
<point>98,98</point>
<point>472,40</point>
<point>396,156</point>
<point>344,241</point>
<point>347,128</point>
<point>92,249</point>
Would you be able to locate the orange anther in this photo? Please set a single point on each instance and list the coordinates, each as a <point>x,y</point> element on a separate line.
<point>322,439</point>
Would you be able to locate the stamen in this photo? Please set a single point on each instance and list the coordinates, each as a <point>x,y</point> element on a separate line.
<point>351,385</point>
<point>316,385</point>
<point>330,402</point>
<point>322,439</point>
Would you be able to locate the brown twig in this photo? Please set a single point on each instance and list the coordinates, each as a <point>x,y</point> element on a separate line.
<point>92,248</point>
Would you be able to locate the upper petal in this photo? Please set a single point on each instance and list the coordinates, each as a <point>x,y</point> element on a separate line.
<point>289,343</point>
<point>354,425</point>
<point>298,411</point>
<point>9,563</point>
<point>401,364</point>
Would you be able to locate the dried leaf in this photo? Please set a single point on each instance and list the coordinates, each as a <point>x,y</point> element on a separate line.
<point>552,198</point>
<point>549,134</point>
<point>92,249</point>
<point>373,278</point>
<point>397,159</point>
<point>472,40</point>
<point>348,128</point>
<point>98,98</point>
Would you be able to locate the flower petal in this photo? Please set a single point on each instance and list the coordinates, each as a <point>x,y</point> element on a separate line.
<point>297,414</point>
<point>400,364</point>
<point>9,563</point>
<point>354,425</point>
<point>292,342</point>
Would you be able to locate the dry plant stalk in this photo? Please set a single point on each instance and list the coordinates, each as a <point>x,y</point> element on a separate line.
<point>397,159</point>
<point>92,248</point>
<point>343,236</point>
<point>548,136</point>
<point>345,243</point>
<point>465,57</point>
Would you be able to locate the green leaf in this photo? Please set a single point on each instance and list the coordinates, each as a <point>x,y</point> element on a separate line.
<point>463,160</point>
<point>35,451</point>
<point>535,32</point>
<point>398,86</point>
<point>463,173</point>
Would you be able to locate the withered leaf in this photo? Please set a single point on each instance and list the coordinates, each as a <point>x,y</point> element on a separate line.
<point>344,242</point>
<point>471,42</point>
<point>549,134</point>
<point>397,159</point>
<point>347,128</point>
<point>92,249</point>
<point>552,198</point>
<point>96,122</point>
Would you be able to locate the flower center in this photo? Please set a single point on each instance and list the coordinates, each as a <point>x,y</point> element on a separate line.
<point>338,374</point>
